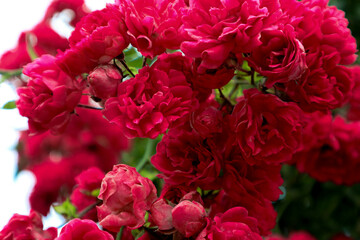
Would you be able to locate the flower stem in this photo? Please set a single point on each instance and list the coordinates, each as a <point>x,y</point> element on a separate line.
<point>146,157</point>
<point>88,208</point>
<point>118,236</point>
<point>89,107</point>
<point>127,68</point>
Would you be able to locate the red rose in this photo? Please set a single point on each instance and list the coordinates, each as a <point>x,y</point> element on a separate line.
<point>233,224</point>
<point>49,97</point>
<point>78,229</point>
<point>184,157</point>
<point>126,197</point>
<point>267,129</point>
<point>354,101</point>
<point>301,235</point>
<point>330,150</point>
<point>280,57</point>
<point>328,44</point>
<point>27,227</point>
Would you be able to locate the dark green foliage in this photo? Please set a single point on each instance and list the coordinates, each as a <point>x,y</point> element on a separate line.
<point>323,209</point>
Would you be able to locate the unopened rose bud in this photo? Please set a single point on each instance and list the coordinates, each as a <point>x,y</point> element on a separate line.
<point>103,81</point>
<point>161,214</point>
<point>189,217</point>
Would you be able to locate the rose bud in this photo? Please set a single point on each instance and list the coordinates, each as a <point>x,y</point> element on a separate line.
<point>161,214</point>
<point>104,81</point>
<point>189,217</point>
<point>126,197</point>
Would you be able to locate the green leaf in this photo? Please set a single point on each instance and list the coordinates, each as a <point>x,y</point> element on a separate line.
<point>95,193</point>
<point>137,233</point>
<point>66,209</point>
<point>9,105</point>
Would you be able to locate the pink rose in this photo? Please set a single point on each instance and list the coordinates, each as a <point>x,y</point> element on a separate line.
<point>126,197</point>
<point>78,229</point>
<point>27,227</point>
<point>50,96</point>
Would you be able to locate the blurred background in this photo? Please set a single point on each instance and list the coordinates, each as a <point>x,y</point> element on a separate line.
<point>16,17</point>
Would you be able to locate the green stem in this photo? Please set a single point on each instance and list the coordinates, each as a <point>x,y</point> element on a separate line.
<point>148,151</point>
<point>30,47</point>
<point>118,236</point>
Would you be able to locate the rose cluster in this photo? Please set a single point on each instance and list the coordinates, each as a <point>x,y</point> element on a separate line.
<point>229,90</point>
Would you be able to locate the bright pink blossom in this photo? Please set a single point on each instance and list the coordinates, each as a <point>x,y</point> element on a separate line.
<point>158,98</point>
<point>22,227</point>
<point>50,96</point>
<point>215,29</point>
<point>98,38</point>
<point>153,25</point>
<point>126,197</point>
<point>78,229</point>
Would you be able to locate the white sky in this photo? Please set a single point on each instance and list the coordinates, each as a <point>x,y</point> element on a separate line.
<point>15,17</point>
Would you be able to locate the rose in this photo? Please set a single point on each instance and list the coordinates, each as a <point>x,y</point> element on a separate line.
<point>267,129</point>
<point>126,197</point>
<point>27,227</point>
<point>49,97</point>
<point>78,229</point>
<point>280,57</point>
